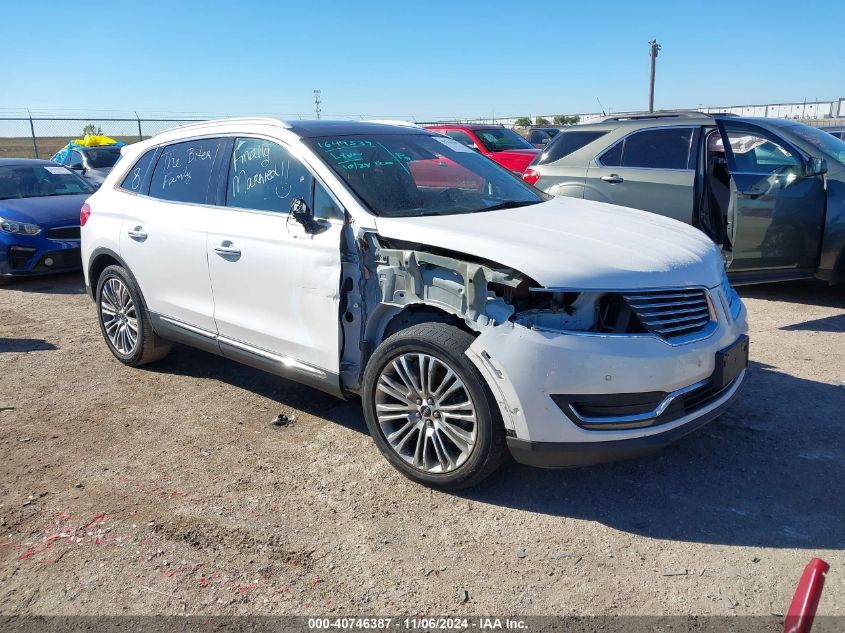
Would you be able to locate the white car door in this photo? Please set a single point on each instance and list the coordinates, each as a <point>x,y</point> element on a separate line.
<point>276,286</point>
<point>163,237</point>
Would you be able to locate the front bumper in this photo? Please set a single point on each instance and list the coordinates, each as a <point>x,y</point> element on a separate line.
<point>527,370</point>
<point>574,454</point>
<point>29,256</point>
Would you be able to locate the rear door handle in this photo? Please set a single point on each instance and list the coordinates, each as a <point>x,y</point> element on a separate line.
<point>138,233</point>
<point>227,249</point>
<point>613,179</point>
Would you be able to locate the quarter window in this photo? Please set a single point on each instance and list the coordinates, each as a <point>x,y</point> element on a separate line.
<point>183,172</point>
<point>134,180</point>
<point>663,148</point>
<point>264,176</point>
<point>567,142</point>
<point>324,205</point>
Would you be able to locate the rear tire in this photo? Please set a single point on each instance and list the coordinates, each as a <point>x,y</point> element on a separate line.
<point>124,320</point>
<point>429,409</point>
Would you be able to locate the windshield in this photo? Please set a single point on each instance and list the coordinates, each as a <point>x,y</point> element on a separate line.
<point>405,175</point>
<point>827,143</point>
<point>499,139</point>
<point>35,181</point>
<point>102,157</point>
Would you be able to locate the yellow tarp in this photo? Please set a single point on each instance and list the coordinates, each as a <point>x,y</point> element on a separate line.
<point>93,140</point>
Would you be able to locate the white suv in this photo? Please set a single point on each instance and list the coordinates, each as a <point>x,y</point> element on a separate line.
<point>472,313</point>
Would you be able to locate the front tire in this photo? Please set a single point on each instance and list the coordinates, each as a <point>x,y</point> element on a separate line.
<point>429,410</point>
<point>124,320</point>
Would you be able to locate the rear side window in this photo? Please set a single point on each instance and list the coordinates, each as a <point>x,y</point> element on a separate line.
<point>134,180</point>
<point>183,171</point>
<point>567,142</point>
<point>664,148</point>
<point>264,176</point>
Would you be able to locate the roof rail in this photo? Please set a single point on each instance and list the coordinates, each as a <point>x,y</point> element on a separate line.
<point>217,122</point>
<point>661,114</point>
<point>396,122</point>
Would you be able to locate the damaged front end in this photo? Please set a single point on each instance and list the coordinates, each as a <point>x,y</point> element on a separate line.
<point>391,284</point>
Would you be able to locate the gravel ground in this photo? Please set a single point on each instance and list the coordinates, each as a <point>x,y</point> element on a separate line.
<point>168,490</point>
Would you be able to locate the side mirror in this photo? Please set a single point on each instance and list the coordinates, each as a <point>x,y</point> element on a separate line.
<point>300,212</point>
<point>815,167</point>
<point>76,167</point>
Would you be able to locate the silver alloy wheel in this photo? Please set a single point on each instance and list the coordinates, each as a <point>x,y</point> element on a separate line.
<point>426,413</point>
<point>118,314</point>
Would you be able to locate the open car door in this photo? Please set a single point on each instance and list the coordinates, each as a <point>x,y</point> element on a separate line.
<point>776,208</point>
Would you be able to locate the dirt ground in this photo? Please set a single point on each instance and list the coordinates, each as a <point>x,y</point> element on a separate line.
<point>168,490</point>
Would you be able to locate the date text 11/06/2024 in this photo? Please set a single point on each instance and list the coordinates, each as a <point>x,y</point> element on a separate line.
<point>416,623</point>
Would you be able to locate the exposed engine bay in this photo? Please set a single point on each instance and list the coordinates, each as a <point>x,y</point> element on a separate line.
<point>390,284</point>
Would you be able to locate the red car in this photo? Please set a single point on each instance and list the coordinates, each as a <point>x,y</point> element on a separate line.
<point>498,143</point>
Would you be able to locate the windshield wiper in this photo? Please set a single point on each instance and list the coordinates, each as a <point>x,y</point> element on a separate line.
<point>509,204</point>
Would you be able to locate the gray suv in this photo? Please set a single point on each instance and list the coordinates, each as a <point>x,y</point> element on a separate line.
<point>770,192</point>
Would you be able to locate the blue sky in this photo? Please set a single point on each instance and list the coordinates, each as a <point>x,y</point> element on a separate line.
<point>427,59</point>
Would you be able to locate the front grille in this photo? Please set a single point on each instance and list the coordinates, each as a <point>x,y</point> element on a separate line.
<point>63,233</point>
<point>670,313</point>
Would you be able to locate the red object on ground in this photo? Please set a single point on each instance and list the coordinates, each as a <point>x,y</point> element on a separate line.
<point>802,610</point>
<point>514,159</point>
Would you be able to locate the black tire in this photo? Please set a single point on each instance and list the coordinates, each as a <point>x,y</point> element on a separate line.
<point>447,344</point>
<point>5,281</point>
<point>148,346</point>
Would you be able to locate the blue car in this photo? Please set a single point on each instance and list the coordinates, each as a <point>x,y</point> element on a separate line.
<point>40,203</point>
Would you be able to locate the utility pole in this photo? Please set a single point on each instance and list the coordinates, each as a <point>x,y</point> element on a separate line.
<point>317,103</point>
<point>654,47</point>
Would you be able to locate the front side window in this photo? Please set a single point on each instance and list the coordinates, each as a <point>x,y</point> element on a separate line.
<point>414,174</point>
<point>34,181</point>
<point>183,171</point>
<point>755,153</point>
<point>134,180</point>
<point>663,148</point>
<point>264,176</point>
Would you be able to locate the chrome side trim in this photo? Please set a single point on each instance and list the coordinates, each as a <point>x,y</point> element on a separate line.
<point>285,361</point>
<point>641,417</point>
<point>190,328</point>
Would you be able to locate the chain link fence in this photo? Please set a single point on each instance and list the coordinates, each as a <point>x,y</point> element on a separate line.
<point>42,137</point>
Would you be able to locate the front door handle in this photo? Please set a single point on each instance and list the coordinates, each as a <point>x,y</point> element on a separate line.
<point>227,249</point>
<point>613,179</point>
<point>138,233</point>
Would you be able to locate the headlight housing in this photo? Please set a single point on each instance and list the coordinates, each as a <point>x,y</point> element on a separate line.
<point>19,228</point>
